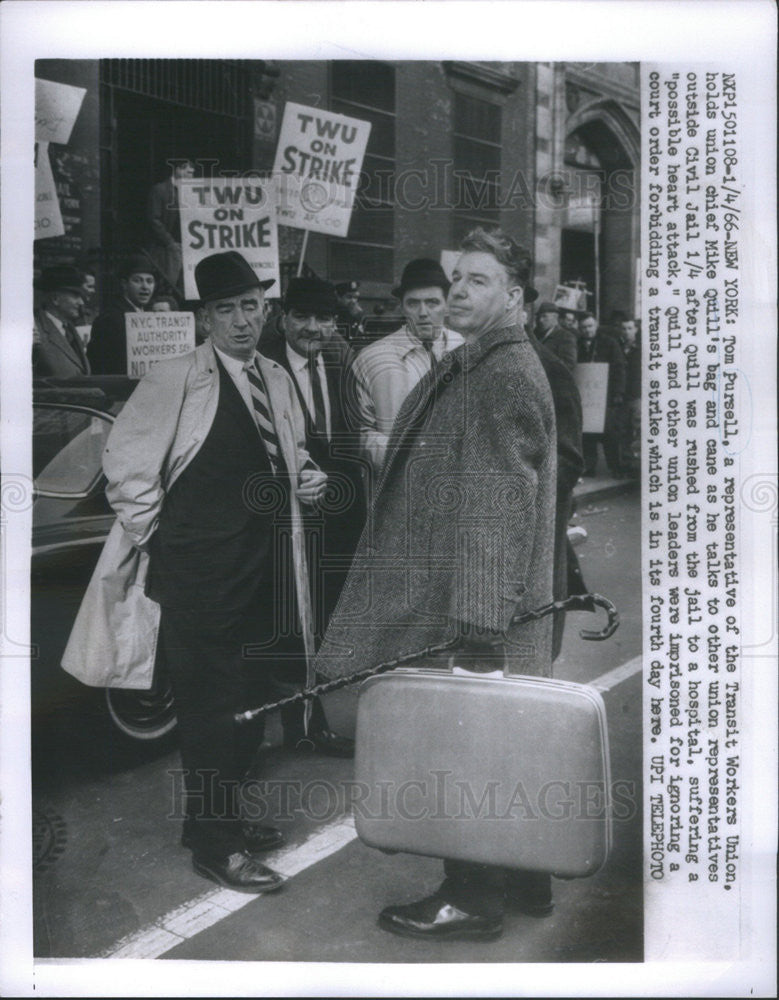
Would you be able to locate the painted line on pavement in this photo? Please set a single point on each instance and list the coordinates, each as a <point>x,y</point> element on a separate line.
<point>209,908</point>
<point>616,676</point>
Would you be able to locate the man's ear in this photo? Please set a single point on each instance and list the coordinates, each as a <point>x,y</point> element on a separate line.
<point>204,318</point>
<point>515,298</point>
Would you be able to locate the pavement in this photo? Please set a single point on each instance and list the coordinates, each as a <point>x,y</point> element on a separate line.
<point>112,880</point>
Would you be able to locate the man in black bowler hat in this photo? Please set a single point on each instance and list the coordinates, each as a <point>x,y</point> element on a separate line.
<point>57,348</point>
<point>387,370</point>
<point>207,468</point>
<point>305,342</point>
<point>108,341</point>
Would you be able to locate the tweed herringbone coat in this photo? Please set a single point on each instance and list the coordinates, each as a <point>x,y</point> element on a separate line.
<point>462,528</point>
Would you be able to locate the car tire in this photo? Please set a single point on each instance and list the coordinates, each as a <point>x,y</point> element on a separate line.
<point>145,716</point>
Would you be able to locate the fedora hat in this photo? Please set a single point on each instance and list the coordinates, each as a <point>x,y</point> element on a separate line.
<point>60,278</point>
<point>547,307</point>
<point>422,273</point>
<point>223,275</point>
<point>311,295</point>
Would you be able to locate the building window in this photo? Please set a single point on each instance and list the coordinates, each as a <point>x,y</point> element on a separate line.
<point>477,150</point>
<point>366,90</point>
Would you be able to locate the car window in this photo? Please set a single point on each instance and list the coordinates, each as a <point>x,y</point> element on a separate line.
<point>67,449</point>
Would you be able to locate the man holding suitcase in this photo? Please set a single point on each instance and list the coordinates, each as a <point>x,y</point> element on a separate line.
<point>461,539</point>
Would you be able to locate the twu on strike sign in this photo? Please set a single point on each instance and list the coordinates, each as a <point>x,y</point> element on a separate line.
<point>229,213</point>
<point>317,168</point>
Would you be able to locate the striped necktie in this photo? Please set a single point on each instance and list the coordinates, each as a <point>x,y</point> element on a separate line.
<point>262,413</point>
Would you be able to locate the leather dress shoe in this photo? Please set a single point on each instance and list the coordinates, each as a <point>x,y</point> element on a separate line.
<point>530,893</point>
<point>239,872</point>
<point>256,838</point>
<point>435,919</point>
<point>323,741</point>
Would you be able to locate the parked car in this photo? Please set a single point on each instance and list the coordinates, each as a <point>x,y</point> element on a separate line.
<point>71,520</point>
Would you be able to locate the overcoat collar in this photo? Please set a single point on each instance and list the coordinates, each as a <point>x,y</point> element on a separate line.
<point>474,352</point>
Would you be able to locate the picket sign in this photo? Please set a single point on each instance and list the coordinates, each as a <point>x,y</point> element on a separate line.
<point>229,213</point>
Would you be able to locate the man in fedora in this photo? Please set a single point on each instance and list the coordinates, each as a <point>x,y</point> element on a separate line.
<point>207,468</point>
<point>304,341</point>
<point>107,349</point>
<point>387,370</point>
<point>57,348</point>
<point>561,342</point>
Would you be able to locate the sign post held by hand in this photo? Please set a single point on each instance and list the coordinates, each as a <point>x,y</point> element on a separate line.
<point>317,168</point>
<point>228,213</point>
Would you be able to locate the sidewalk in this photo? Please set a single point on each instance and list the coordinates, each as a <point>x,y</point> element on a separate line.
<point>604,485</point>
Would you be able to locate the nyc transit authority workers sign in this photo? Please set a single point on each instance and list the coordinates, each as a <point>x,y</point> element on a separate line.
<point>229,213</point>
<point>317,168</point>
<point>157,336</point>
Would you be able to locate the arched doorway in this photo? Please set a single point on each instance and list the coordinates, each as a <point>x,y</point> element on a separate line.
<point>600,233</point>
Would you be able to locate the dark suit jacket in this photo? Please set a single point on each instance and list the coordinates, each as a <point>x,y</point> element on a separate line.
<point>107,348</point>
<point>605,348</point>
<point>162,213</point>
<point>52,354</point>
<point>340,517</point>
<point>563,344</point>
<point>570,465</point>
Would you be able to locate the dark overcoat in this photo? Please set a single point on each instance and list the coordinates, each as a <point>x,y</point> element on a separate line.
<point>462,527</point>
<point>338,519</point>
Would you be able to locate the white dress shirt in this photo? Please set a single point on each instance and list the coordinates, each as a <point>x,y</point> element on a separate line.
<point>299,366</point>
<point>236,369</point>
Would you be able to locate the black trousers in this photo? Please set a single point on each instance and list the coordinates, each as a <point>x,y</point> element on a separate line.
<point>219,663</point>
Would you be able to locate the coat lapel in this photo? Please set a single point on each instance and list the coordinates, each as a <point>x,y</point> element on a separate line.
<point>61,343</point>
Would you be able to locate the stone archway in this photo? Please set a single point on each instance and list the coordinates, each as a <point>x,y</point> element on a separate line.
<point>613,142</point>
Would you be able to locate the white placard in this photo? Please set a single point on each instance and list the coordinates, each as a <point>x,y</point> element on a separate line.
<point>48,217</point>
<point>229,213</point>
<point>317,167</point>
<point>157,336</point>
<point>592,381</point>
<point>56,108</point>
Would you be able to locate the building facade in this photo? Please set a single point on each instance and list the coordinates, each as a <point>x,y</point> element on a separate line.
<point>550,151</point>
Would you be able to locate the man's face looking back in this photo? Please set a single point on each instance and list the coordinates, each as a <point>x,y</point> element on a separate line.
<point>481,297</point>
<point>567,321</point>
<point>628,330</point>
<point>588,328</point>
<point>424,310</point>
<point>547,321</point>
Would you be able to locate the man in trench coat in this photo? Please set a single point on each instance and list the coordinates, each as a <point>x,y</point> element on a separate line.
<point>461,538</point>
<point>206,473</point>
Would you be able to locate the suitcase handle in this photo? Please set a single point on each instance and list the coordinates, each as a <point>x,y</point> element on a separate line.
<point>576,602</point>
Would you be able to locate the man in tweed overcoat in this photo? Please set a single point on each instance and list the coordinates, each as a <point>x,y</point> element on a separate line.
<point>461,535</point>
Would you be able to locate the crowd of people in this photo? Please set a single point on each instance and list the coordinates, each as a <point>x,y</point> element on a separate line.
<point>270,479</point>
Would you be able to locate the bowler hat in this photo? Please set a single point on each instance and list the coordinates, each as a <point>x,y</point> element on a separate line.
<point>547,307</point>
<point>60,278</point>
<point>531,294</point>
<point>311,295</point>
<point>223,275</point>
<point>137,263</point>
<point>422,273</point>
<point>344,287</point>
